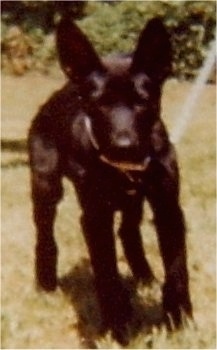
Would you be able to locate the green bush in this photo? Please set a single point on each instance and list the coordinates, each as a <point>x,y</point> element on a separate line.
<point>27,33</point>
<point>39,14</point>
<point>113,26</point>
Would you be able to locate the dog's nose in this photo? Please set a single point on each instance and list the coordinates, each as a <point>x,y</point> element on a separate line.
<point>122,140</point>
<point>124,146</point>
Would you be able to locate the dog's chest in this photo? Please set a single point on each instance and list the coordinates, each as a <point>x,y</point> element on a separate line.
<point>112,185</point>
<point>117,186</point>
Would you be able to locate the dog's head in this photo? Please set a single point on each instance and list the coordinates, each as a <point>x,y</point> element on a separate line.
<point>120,95</point>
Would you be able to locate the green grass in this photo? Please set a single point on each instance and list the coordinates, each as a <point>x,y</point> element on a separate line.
<point>69,318</point>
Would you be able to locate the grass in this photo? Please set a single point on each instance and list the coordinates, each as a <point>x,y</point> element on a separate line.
<point>69,318</point>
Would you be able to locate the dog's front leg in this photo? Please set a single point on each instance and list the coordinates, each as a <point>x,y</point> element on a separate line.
<point>171,231</point>
<point>97,223</point>
<point>132,241</point>
<point>170,227</point>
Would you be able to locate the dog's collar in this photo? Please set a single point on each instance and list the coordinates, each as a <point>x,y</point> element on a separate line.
<point>124,167</point>
<point>128,169</point>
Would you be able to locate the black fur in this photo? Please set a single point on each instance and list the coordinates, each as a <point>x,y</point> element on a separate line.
<point>103,131</point>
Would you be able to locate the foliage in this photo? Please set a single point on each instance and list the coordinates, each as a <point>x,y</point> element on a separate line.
<point>190,23</point>
<point>27,32</point>
<point>113,26</point>
<point>39,14</point>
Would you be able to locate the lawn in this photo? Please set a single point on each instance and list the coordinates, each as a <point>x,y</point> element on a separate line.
<point>69,318</point>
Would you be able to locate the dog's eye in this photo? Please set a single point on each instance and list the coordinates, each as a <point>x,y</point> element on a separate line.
<point>141,82</point>
<point>97,82</point>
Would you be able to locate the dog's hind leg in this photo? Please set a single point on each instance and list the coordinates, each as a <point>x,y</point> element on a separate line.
<point>46,192</point>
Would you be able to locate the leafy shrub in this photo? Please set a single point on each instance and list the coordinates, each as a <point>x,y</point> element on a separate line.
<point>27,32</point>
<point>113,26</point>
<point>39,14</point>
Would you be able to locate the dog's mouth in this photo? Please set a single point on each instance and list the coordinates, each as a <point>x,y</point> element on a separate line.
<point>127,160</point>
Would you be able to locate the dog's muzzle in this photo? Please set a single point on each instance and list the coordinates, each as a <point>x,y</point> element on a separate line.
<point>123,166</point>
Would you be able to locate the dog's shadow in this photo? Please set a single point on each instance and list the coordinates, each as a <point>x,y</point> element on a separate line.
<point>78,286</point>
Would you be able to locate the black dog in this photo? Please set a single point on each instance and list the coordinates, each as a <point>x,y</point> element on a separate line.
<point>103,131</point>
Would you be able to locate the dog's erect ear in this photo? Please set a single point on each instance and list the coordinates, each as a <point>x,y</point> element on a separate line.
<point>76,54</point>
<point>153,54</point>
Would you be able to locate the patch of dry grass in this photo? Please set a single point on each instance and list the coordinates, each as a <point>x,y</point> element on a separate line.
<point>69,318</point>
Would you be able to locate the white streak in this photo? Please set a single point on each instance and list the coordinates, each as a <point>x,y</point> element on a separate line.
<point>187,111</point>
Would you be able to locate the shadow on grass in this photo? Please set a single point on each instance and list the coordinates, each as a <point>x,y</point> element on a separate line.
<point>78,286</point>
<point>14,163</point>
<point>14,145</point>
<point>13,153</point>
